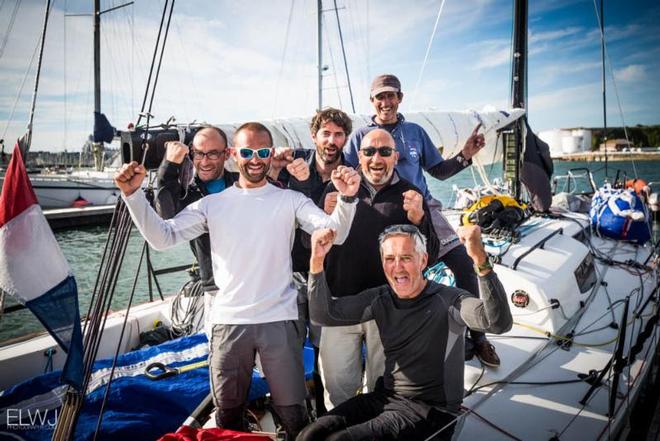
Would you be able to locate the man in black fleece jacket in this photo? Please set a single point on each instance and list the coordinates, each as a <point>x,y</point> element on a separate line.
<point>208,155</point>
<point>421,324</point>
<point>384,199</point>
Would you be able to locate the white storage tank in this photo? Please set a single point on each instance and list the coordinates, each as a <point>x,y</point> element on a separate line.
<point>585,135</point>
<point>571,144</point>
<point>554,139</point>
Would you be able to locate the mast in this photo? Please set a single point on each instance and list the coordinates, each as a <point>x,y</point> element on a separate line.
<point>319,54</point>
<point>514,145</point>
<point>602,57</point>
<point>27,140</point>
<point>97,147</point>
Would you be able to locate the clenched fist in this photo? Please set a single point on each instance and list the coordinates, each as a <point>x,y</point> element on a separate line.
<point>175,151</point>
<point>299,169</point>
<point>413,204</point>
<point>322,240</point>
<point>470,236</point>
<point>129,177</point>
<point>330,202</point>
<point>346,180</point>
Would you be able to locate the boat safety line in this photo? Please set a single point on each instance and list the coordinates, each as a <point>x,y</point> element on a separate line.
<point>564,338</point>
<point>491,424</point>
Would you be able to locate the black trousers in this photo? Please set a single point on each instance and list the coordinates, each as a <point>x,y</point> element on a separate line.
<point>380,415</point>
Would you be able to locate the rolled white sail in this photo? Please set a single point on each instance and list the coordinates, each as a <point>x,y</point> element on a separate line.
<point>448,130</point>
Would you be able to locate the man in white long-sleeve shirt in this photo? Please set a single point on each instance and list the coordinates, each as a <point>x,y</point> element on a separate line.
<point>251,227</point>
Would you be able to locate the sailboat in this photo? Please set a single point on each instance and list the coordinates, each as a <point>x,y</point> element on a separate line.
<point>585,306</point>
<point>84,186</point>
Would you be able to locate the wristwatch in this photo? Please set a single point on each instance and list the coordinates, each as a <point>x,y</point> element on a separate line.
<point>347,199</point>
<point>487,265</point>
<point>462,160</point>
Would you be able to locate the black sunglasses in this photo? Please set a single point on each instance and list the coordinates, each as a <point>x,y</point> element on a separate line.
<point>382,151</point>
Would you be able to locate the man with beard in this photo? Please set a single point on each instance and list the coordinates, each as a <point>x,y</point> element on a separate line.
<point>208,153</point>
<point>251,227</point>
<point>421,324</point>
<point>416,155</point>
<point>384,199</point>
<point>308,171</point>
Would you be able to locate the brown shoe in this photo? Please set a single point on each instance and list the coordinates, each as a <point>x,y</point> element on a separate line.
<point>486,353</point>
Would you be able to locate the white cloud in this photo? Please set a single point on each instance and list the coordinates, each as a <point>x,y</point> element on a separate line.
<point>538,37</point>
<point>224,59</point>
<point>630,73</point>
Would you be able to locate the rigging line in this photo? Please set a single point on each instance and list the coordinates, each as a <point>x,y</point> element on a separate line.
<point>359,37</point>
<point>10,26</point>
<point>616,89</point>
<point>343,52</point>
<point>426,56</point>
<point>106,394</point>
<point>332,57</point>
<point>160,60</point>
<point>20,90</point>
<point>284,49</point>
<point>493,425</point>
<point>153,60</point>
<point>197,99</point>
<point>132,76</point>
<point>65,138</point>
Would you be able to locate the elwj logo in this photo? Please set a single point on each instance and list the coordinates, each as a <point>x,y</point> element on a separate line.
<point>31,419</point>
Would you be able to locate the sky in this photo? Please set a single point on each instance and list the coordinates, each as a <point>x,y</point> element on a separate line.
<point>235,61</point>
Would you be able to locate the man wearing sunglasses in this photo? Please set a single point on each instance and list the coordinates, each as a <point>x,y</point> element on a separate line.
<point>384,199</point>
<point>421,324</point>
<point>417,154</point>
<point>207,154</point>
<point>251,227</point>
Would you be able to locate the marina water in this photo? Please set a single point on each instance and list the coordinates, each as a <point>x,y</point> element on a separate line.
<point>84,247</point>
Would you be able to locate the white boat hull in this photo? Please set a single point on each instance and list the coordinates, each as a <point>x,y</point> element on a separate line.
<point>541,411</point>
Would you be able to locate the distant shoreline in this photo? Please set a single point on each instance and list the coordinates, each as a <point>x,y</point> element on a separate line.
<point>611,156</point>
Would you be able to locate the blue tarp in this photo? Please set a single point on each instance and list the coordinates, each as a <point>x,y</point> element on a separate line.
<point>137,408</point>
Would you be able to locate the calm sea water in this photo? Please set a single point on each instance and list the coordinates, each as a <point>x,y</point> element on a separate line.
<point>84,247</point>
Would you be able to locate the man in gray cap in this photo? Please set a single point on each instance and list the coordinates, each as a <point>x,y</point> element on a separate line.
<point>416,155</point>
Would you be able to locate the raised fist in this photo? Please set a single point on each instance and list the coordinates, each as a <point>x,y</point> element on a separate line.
<point>175,151</point>
<point>129,177</point>
<point>346,180</point>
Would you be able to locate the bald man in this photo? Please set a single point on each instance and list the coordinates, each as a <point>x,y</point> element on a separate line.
<point>208,155</point>
<point>384,199</point>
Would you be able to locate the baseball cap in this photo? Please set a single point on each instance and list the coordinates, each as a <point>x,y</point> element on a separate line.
<point>385,83</point>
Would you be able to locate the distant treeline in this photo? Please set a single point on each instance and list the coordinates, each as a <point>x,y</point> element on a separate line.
<point>639,135</point>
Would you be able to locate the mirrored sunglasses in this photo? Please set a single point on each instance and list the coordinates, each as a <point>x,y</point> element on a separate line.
<point>247,153</point>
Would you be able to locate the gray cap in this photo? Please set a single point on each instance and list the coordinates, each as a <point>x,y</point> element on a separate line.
<point>385,83</point>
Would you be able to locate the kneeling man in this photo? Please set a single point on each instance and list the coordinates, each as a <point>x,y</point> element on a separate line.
<point>421,325</point>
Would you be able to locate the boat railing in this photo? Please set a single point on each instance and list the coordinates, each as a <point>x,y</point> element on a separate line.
<point>156,272</point>
<point>571,180</point>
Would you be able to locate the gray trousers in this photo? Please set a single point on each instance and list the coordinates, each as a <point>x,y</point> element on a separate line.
<point>340,361</point>
<point>231,360</point>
